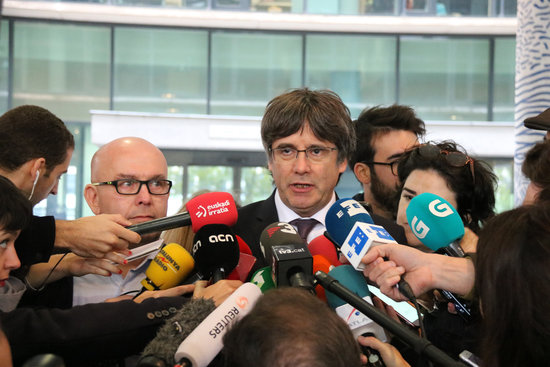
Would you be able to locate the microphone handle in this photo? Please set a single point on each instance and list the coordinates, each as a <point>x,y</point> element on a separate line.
<point>421,346</point>
<point>162,224</point>
<point>373,356</point>
<point>218,275</point>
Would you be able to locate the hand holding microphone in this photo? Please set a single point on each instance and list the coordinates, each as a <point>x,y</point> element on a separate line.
<point>437,224</point>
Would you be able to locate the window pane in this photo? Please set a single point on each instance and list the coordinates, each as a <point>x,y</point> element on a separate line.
<point>160,70</point>
<point>213,178</point>
<point>249,69</point>
<point>175,200</point>
<point>360,69</point>
<point>62,67</point>
<point>504,89</point>
<point>256,184</point>
<point>445,78</point>
<point>4,70</point>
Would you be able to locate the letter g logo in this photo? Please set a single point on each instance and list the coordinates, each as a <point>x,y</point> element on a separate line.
<point>419,228</point>
<point>440,209</point>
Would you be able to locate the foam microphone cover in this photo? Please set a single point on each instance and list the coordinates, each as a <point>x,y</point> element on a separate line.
<point>434,221</point>
<point>212,207</point>
<point>277,233</point>
<point>320,263</point>
<point>349,278</point>
<point>169,268</point>
<point>160,351</point>
<point>341,217</point>
<point>323,246</point>
<point>215,247</point>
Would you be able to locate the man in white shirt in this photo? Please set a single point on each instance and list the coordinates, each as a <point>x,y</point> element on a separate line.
<point>129,177</point>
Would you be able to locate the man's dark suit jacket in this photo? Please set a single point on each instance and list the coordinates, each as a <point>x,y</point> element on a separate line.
<point>255,217</point>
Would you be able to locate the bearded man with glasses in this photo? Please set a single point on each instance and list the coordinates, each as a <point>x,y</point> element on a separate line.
<point>383,134</point>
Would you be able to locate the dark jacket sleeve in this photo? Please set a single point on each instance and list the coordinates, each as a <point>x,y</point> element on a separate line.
<point>35,243</point>
<point>92,332</point>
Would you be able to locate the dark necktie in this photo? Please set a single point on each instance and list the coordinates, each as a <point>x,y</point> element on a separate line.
<point>304,226</point>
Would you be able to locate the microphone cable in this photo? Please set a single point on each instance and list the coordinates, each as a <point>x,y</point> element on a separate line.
<point>43,284</point>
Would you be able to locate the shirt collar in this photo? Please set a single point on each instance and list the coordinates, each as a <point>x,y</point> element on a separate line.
<point>285,214</point>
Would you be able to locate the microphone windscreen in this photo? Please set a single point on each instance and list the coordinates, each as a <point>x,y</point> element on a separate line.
<point>170,267</point>
<point>243,247</point>
<point>278,233</point>
<point>263,278</point>
<point>320,263</point>
<point>349,278</point>
<point>212,207</point>
<point>160,351</point>
<point>341,217</point>
<point>323,246</point>
<point>434,221</point>
<point>215,247</point>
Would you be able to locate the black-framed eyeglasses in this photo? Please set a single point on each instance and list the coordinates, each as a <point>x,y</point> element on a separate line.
<point>314,154</point>
<point>453,159</point>
<point>128,186</point>
<point>393,165</point>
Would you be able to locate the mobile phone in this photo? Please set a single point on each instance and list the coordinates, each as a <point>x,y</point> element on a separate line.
<point>404,309</point>
<point>470,358</point>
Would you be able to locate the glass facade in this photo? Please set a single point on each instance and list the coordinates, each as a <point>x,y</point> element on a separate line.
<point>451,74</point>
<point>160,70</point>
<point>62,67</point>
<point>73,68</point>
<point>476,8</point>
<point>248,69</point>
<point>361,69</point>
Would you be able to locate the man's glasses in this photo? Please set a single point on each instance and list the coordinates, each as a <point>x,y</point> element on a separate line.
<point>314,154</point>
<point>129,186</point>
<point>393,165</point>
<point>453,159</point>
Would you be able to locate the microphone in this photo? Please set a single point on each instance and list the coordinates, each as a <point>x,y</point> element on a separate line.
<point>420,345</point>
<point>278,232</point>
<point>343,214</point>
<point>205,342</point>
<point>211,207</point>
<point>170,267</point>
<point>321,245</point>
<point>437,224</point>
<point>320,263</point>
<point>291,261</point>
<point>216,251</point>
<point>349,224</point>
<point>356,283</point>
<point>245,264</point>
<point>160,351</point>
<point>263,278</point>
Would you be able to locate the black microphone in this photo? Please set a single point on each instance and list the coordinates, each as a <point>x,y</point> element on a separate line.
<point>216,251</point>
<point>160,351</point>
<point>420,345</point>
<point>212,207</point>
<point>290,260</point>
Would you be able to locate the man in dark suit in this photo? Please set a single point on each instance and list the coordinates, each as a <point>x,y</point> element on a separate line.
<point>308,138</point>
